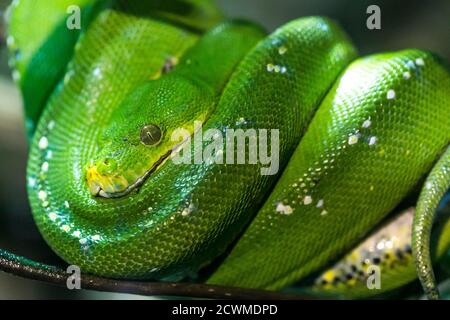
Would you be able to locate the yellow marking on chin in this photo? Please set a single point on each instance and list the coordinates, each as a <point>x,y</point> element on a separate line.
<point>156,76</point>
<point>109,184</point>
<point>329,275</point>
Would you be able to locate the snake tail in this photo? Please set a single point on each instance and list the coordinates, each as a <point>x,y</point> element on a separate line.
<point>436,185</point>
<point>389,249</point>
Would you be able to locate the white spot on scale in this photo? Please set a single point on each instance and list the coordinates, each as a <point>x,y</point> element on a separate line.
<point>353,140</point>
<point>367,124</point>
<point>391,94</point>
<point>96,237</point>
<point>83,241</point>
<point>76,234</point>
<point>372,141</point>
<point>407,75</point>
<point>42,195</point>
<point>276,68</point>
<point>286,210</point>
<point>239,122</point>
<point>52,216</point>
<point>320,203</point>
<point>31,182</point>
<point>43,143</point>
<point>307,200</point>
<point>44,167</point>
<point>324,27</point>
<point>51,125</point>
<point>150,223</point>
<point>65,228</point>
<point>187,211</point>
<point>66,204</point>
<point>282,50</point>
<point>276,41</point>
<point>429,185</point>
<point>410,64</point>
<point>418,229</point>
<point>97,72</point>
<point>324,213</point>
<point>49,154</point>
<point>380,245</point>
<point>420,62</point>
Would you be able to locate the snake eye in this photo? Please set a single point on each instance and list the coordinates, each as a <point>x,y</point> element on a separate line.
<point>151,135</point>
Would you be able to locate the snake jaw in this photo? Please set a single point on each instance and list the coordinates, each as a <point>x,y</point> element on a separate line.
<point>113,186</point>
<point>94,189</point>
<point>100,183</point>
<point>104,181</point>
<point>93,183</point>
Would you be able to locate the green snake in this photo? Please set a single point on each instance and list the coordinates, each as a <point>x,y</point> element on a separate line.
<point>356,137</point>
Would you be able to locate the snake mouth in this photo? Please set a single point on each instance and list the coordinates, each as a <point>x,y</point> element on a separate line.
<point>107,184</point>
<point>98,191</point>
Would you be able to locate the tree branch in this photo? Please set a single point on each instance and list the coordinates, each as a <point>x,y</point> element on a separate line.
<point>26,268</point>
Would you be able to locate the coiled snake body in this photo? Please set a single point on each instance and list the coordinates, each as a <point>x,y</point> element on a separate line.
<point>355,138</point>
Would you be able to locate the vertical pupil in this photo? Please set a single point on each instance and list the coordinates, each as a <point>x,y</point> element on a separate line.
<point>151,134</point>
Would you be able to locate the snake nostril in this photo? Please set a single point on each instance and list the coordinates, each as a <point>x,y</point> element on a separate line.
<point>104,177</point>
<point>105,166</point>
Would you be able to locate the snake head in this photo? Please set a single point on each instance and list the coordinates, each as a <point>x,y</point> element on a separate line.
<point>138,138</point>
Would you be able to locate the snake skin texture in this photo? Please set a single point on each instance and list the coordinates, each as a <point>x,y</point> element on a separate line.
<point>356,136</point>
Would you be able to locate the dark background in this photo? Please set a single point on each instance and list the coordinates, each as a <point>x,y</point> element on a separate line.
<point>405,24</point>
